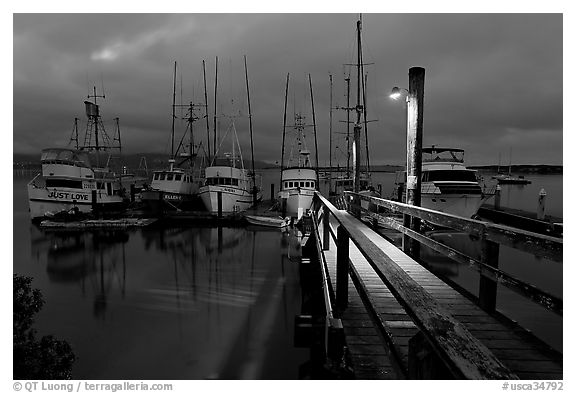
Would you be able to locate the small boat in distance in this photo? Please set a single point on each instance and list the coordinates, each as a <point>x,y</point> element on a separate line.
<point>272,222</point>
<point>508,178</point>
<point>447,185</point>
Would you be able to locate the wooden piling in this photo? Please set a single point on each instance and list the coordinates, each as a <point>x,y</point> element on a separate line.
<point>219,204</point>
<point>488,288</point>
<point>415,113</point>
<point>132,192</point>
<point>95,203</point>
<point>497,197</point>
<point>541,212</point>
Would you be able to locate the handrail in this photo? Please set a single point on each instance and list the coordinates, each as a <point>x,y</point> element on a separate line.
<point>541,245</point>
<point>463,354</point>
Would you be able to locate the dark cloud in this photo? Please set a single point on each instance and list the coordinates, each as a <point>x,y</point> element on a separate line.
<point>493,81</point>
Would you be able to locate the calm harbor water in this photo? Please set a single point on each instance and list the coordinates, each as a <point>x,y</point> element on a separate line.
<point>178,303</point>
<point>191,303</point>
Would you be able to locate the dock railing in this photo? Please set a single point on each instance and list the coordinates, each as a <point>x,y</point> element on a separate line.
<point>461,353</point>
<point>491,236</point>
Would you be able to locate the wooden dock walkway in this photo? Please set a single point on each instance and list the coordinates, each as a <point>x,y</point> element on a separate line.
<point>381,331</point>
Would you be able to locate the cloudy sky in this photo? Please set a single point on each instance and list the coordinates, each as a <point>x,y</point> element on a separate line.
<point>493,81</point>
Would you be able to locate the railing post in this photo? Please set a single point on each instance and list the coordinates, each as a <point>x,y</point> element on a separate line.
<point>342,259</point>
<point>488,288</point>
<point>497,197</point>
<point>326,229</point>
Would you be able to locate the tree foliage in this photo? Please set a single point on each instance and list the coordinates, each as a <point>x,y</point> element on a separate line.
<point>46,358</point>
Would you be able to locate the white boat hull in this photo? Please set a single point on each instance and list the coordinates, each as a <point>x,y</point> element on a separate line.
<point>234,200</point>
<point>43,201</point>
<point>299,202</point>
<point>463,205</point>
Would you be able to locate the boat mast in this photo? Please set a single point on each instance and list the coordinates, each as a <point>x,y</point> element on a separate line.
<point>173,113</point>
<point>254,190</point>
<point>348,125</point>
<point>215,106</point>
<point>314,125</point>
<point>206,106</point>
<point>284,129</point>
<point>330,149</point>
<point>357,126</point>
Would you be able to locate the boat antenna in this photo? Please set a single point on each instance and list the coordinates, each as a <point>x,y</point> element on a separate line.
<point>284,128</point>
<point>206,111</point>
<point>74,136</point>
<point>314,124</point>
<point>215,107</point>
<point>254,190</point>
<point>117,136</point>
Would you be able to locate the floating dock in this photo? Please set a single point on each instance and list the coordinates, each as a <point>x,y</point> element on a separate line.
<point>84,225</point>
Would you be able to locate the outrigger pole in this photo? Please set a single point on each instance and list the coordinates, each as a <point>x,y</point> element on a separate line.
<point>206,103</point>
<point>215,105</point>
<point>314,124</point>
<point>284,128</point>
<point>254,190</point>
<point>173,113</point>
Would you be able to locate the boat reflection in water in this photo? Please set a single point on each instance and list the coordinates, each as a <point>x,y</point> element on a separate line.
<point>209,302</point>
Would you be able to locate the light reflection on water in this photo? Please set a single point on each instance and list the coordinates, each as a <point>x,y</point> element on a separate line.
<point>174,303</point>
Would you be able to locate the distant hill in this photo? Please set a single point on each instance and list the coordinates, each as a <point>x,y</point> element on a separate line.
<point>132,161</point>
<point>542,169</point>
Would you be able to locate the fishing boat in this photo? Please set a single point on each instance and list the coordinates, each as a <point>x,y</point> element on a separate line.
<point>176,187</point>
<point>447,185</point>
<point>508,178</point>
<point>228,186</point>
<point>78,178</point>
<point>298,180</point>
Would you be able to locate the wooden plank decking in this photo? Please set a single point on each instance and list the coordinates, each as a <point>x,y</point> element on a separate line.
<point>365,335</point>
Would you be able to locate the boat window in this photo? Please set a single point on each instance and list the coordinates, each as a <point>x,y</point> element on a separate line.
<point>290,185</point>
<point>285,184</point>
<point>450,175</point>
<point>100,185</point>
<point>64,183</point>
<point>162,176</point>
<point>169,177</point>
<point>65,155</point>
<point>178,177</point>
<point>313,186</point>
<point>307,184</point>
<point>227,181</point>
<point>49,155</point>
<point>301,184</point>
<point>235,182</point>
